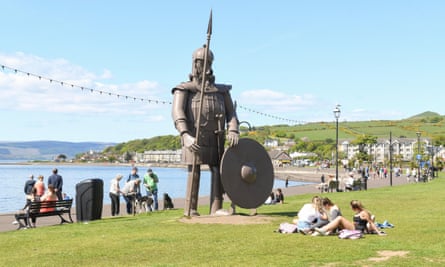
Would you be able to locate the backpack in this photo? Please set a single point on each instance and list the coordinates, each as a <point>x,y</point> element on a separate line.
<point>350,234</point>
<point>287,228</point>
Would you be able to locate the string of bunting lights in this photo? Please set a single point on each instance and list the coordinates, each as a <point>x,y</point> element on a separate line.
<point>126,97</point>
<point>92,90</point>
<point>269,115</point>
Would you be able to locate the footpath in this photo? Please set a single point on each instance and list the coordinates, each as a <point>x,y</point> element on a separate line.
<point>300,174</point>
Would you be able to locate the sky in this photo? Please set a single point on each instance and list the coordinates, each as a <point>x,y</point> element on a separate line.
<point>289,62</point>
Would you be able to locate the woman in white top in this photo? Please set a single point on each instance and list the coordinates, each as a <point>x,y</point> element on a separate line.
<point>308,215</point>
<point>114,195</point>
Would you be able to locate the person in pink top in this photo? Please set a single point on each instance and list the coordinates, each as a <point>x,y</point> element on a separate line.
<point>40,186</point>
<point>49,196</point>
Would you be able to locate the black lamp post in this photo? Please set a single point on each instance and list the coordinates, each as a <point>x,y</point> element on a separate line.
<point>432,160</point>
<point>337,115</point>
<point>431,151</point>
<point>418,155</point>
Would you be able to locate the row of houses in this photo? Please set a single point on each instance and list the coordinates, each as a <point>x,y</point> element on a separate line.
<point>403,148</point>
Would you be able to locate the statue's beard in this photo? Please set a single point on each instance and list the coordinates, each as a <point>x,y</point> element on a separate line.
<point>196,76</point>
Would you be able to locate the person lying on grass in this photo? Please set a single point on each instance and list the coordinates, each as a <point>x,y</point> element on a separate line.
<point>361,221</point>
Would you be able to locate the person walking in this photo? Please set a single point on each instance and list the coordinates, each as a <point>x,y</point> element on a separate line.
<point>151,181</point>
<point>57,182</point>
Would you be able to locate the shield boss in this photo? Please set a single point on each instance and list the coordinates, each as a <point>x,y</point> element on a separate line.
<point>247,174</point>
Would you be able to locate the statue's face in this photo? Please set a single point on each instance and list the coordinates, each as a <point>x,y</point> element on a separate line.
<point>199,66</point>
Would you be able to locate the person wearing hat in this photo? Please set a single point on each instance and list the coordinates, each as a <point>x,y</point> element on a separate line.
<point>151,186</point>
<point>115,192</point>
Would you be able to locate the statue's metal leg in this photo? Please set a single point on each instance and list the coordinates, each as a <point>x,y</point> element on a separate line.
<point>216,192</point>
<point>191,199</point>
<point>232,210</point>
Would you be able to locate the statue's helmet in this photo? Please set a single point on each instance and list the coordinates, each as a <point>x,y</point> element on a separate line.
<point>199,54</point>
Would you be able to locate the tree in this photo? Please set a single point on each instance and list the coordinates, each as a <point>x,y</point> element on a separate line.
<point>363,142</point>
<point>127,156</point>
<point>60,158</point>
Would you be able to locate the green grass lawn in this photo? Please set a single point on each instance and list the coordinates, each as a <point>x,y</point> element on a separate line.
<point>159,239</point>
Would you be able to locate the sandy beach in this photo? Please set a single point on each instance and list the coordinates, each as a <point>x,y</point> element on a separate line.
<point>293,174</point>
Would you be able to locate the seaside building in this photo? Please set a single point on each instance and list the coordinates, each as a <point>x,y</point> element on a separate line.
<point>161,156</point>
<point>404,149</point>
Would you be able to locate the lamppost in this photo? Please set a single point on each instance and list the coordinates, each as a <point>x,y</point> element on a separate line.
<point>431,151</point>
<point>337,115</point>
<point>418,155</point>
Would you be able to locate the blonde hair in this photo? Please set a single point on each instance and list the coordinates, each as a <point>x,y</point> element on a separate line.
<point>316,200</point>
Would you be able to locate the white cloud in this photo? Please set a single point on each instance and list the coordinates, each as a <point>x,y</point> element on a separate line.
<point>106,75</point>
<point>274,101</point>
<point>27,92</point>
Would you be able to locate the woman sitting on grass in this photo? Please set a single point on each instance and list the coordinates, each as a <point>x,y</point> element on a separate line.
<point>308,215</point>
<point>361,221</point>
<point>330,212</point>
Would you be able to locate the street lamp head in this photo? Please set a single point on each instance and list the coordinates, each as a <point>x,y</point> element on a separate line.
<point>337,111</point>
<point>418,134</point>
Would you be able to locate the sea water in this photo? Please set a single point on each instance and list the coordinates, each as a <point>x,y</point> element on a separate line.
<point>171,180</point>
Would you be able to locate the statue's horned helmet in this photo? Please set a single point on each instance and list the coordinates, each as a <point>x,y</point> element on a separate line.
<point>199,54</point>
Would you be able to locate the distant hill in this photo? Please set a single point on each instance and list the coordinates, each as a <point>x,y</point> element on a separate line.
<point>431,125</point>
<point>425,115</point>
<point>46,150</point>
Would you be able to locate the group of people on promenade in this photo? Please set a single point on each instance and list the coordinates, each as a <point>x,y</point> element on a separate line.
<point>322,217</point>
<point>35,191</point>
<point>131,191</point>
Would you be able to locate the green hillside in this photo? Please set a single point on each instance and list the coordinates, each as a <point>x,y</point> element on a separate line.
<point>430,124</point>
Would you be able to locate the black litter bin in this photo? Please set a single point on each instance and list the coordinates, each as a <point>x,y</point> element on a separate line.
<point>89,200</point>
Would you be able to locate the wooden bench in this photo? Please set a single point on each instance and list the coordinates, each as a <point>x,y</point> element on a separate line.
<point>54,208</point>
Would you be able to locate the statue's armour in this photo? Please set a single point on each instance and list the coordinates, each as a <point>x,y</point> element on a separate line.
<point>217,109</point>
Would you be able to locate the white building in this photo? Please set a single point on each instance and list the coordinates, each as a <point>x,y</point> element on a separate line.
<point>404,148</point>
<point>162,156</point>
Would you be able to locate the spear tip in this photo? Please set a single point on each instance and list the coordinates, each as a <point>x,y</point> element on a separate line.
<point>209,28</point>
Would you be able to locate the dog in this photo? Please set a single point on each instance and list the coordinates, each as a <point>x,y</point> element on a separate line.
<point>168,203</point>
<point>143,203</point>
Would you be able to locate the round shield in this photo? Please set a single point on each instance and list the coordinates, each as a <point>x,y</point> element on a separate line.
<point>247,174</point>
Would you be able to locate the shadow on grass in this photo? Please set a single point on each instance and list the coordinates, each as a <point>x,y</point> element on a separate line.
<point>281,213</point>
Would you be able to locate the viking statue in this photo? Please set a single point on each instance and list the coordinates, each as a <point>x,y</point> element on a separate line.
<point>202,101</point>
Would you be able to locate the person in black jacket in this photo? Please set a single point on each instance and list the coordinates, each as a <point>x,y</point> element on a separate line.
<point>28,188</point>
<point>57,181</point>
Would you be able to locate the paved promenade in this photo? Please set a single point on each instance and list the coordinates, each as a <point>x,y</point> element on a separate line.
<point>293,174</point>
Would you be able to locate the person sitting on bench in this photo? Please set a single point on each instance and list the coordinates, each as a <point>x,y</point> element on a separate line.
<point>50,195</point>
<point>33,198</point>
